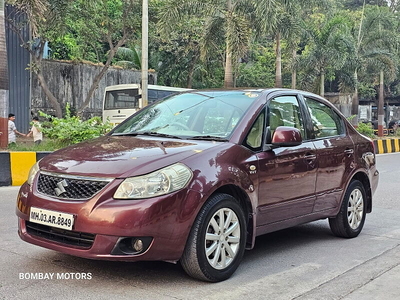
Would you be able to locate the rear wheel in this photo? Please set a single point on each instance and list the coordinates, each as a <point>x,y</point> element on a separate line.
<point>350,220</point>
<point>216,243</point>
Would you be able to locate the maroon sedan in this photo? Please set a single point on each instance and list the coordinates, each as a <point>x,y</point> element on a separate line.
<point>196,177</point>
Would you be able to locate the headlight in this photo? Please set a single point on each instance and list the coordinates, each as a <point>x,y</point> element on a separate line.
<point>32,173</point>
<point>161,182</point>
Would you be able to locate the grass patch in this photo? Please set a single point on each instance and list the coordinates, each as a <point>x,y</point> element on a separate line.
<point>46,145</point>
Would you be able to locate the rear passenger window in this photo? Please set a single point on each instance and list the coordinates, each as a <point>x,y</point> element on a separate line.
<point>326,122</point>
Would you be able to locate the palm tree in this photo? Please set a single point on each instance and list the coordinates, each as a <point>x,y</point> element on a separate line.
<point>376,39</point>
<point>285,21</point>
<point>329,47</point>
<point>233,20</point>
<point>128,58</point>
<point>3,81</point>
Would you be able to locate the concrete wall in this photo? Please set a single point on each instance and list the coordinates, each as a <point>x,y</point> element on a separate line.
<point>70,82</point>
<point>341,101</point>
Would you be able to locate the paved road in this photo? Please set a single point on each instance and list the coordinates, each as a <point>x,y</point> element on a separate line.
<point>305,262</point>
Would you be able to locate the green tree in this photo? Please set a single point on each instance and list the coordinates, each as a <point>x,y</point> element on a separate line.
<point>328,47</point>
<point>175,50</point>
<point>109,23</point>
<point>127,58</point>
<point>376,40</point>
<point>229,21</point>
<point>258,67</point>
<point>285,22</point>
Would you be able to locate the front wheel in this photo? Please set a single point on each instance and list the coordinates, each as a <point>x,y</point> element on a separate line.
<point>351,217</point>
<point>216,243</point>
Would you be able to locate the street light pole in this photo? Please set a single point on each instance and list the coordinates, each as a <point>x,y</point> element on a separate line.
<point>145,55</point>
<point>381,113</point>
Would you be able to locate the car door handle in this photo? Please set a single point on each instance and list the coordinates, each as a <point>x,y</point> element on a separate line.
<point>349,151</point>
<point>310,156</point>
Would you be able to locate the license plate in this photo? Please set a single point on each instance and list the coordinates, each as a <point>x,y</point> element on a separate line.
<point>51,218</point>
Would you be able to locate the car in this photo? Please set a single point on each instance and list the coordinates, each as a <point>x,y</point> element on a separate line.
<point>196,177</point>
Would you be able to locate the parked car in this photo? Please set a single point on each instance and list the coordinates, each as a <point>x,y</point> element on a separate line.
<point>198,176</point>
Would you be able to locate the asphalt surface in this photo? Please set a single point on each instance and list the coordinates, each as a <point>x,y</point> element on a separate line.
<point>304,262</point>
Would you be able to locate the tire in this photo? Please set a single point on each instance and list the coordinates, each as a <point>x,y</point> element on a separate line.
<point>225,247</point>
<point>351,217</point>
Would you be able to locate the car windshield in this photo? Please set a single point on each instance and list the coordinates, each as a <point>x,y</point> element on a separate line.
<point>196,115</point>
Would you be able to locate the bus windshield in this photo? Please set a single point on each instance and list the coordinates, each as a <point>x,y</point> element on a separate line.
<point>121,101</point>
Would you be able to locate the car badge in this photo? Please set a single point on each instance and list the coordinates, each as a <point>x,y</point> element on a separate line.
<point>253,169</point>
<point>61,185</point>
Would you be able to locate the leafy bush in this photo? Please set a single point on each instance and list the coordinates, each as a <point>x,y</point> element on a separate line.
<point>71,129</point>
<point>366,129</point>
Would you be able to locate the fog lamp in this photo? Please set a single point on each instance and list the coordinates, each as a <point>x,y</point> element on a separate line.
<point>137,244</point>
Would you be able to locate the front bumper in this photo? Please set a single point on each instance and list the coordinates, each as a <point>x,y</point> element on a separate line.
<point>164,221</point>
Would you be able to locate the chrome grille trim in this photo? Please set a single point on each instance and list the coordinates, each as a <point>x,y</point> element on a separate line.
<point>70,187</point>
<point>109,179</point>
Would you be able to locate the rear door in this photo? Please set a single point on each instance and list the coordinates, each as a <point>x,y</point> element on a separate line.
<point>335,153</point>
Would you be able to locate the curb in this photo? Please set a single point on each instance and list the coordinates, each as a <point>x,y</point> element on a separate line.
<point>15,166</point>
<point>387,145</point>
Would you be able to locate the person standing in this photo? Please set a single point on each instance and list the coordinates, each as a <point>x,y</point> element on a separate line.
<point>36,131</point>
<point>12,130</point>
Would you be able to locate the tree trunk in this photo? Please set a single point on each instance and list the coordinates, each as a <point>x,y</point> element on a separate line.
<point>294,73</point>
<point>380,106</point>
<point>322,84</point>
<point>37,69</point>
<point>99,76</point>
<point>53,100</point>
<point>228,79</point>
<point>355,103</point>
<point>4,84</point>
<point>278,62</point>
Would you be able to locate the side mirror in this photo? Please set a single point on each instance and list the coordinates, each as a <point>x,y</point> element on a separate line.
<point>286,137</point>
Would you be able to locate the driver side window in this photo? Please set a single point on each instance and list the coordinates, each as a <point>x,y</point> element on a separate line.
<point>284,111</point>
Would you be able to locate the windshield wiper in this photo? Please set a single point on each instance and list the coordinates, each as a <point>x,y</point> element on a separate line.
<point>124,133</point>
<point>208,138</point>
<point>149,133</point>
<point>154,133</point>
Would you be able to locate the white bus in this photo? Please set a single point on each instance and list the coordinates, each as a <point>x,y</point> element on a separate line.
<point>123,100</point>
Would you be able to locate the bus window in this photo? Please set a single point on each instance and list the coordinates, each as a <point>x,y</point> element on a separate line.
<point>121,99</point>
<point>156,94</point>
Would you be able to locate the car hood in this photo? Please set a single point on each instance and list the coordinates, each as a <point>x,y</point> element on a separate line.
<point>122,156</point>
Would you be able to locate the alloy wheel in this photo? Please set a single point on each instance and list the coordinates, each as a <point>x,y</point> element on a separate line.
<point>222,240</point>
<point>355,208</point>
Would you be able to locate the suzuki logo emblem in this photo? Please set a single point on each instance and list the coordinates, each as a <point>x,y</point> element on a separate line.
<point>61,187</point>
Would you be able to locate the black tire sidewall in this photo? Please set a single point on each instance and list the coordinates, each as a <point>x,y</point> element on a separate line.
<point>218,202</point>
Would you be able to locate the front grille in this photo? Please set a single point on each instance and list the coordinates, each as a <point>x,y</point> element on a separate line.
<point>78,239</point>
<point>70,187</point>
